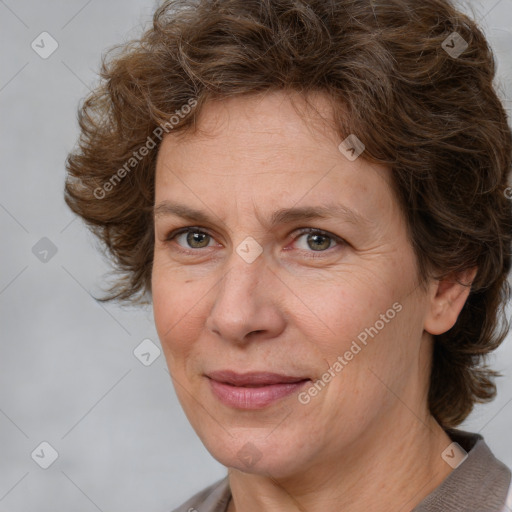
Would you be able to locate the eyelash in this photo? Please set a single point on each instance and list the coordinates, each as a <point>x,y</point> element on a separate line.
<point>301,231</point>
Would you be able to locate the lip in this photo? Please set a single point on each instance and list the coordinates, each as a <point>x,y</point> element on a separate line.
<point>252,390</point>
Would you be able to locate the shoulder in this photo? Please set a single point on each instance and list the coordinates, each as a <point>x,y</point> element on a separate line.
<point>213,498</point>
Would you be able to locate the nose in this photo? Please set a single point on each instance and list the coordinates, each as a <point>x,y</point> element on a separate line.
<point>246,304</point>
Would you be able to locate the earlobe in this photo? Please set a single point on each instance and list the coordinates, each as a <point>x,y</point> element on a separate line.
<point>447,299</point>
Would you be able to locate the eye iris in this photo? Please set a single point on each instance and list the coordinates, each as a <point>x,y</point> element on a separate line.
<point>320,246</point>
<point>194,236</point>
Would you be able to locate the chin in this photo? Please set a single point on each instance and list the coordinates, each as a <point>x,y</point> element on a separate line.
<point>254,452</point>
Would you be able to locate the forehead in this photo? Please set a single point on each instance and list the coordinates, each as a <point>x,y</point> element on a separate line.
<point>272,147</point>
<point>286,125</point>
<point>277,112</point>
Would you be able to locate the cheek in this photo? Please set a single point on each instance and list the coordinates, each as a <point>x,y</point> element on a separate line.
<point>379,357</point>
<point>340,309</point>
<point>163,299</point>
<point>372,325</point>
<point>174,310</point>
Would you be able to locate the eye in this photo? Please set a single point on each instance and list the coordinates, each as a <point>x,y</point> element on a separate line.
<point>191,238</point>
<point>316,240</point>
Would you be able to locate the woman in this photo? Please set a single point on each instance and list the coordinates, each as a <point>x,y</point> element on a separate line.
<point>312,195</point>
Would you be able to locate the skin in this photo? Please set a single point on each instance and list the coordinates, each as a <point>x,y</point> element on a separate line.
<point>366,441</point>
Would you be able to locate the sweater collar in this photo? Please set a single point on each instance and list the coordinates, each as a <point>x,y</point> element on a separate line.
<point>480,482</point>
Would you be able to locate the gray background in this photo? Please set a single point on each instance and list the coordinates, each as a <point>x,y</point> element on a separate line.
<point>68,375</point>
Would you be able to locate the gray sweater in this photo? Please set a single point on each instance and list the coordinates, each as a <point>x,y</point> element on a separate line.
<point>479,484</point>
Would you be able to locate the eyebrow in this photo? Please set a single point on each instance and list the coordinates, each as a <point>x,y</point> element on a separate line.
<point>281,216</point>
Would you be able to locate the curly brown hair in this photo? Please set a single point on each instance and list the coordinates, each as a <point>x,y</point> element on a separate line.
<point>431,114</point>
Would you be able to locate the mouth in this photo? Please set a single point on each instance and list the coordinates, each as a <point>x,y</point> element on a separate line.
<point>253,390</point>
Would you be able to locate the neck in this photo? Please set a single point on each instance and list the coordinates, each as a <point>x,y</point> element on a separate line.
<point>398,465</point>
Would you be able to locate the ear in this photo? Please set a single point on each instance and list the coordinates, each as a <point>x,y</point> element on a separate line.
<point>447,299</point>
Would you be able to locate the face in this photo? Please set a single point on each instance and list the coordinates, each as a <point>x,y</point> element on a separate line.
<point>284,286</point>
